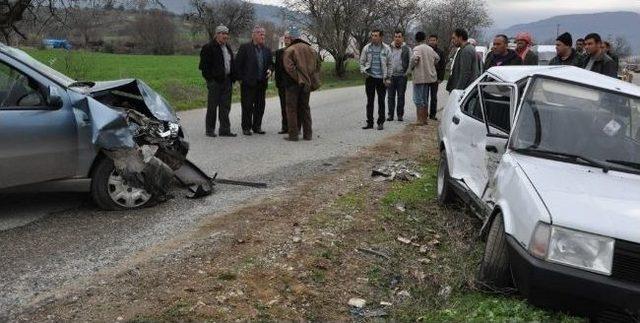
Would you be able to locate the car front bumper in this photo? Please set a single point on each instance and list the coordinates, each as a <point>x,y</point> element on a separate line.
<point>568,289</point>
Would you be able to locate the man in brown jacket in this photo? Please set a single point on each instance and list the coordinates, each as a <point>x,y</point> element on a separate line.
<point>303,76</point>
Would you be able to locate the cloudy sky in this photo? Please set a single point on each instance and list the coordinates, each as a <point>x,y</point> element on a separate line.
<point>509,12</point>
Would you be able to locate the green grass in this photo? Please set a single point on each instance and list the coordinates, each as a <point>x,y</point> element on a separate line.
<point>176,77</point>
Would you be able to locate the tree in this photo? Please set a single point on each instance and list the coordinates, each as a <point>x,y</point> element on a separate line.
<point>442,17</point>
<point>368,18</point>
<point>237,15</point>
<point>621,47</point>
<point>155,32</point>
<point>329,24</point>
<point>14,15</point>
<point>400,15</point>
<point>273,33</point>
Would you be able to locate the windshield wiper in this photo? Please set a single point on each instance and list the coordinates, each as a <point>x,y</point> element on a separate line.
<point>88,84</point>
<point>625,163</point>
<point>589,161</point>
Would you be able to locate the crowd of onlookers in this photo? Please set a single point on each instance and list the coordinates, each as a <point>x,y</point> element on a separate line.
<point>386,67</point>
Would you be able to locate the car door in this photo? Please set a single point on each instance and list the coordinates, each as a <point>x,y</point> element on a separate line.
<point>38,141</point>
<point>466,142</point>
<point>498,102</point>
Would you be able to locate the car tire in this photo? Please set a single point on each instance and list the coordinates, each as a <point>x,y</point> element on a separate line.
<point>495,271</point>
<point>104,192</point>
<point>446,195</point>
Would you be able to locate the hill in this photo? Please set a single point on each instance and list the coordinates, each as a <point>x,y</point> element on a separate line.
<point>607,24</point>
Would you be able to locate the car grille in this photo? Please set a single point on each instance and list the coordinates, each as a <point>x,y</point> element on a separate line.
<point>626,262</point>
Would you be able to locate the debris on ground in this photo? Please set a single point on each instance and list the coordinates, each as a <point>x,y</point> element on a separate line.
<point>402,170</point>
<point>373,252</point>
<point>401,207</point>
<point>357,302</point>
<point>368,313</point>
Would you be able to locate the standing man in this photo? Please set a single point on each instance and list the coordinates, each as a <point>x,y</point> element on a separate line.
<point>597,60</point>
<point>303,76</point>
<point>400,56</point>
<point>253,69</point>
<point>566,55</point>
<point>609,51</point>
<point>375,63</point>
<point>524,41</point>
<point>423,66</point>
<point>465,65</point>
<point>440,69</point>
<point>216,64</point>
<point>500,54</point>
<point>281,82</point>
<point>580,47</point>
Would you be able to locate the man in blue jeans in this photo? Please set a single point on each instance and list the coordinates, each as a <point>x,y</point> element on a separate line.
<point>376,65</point>
<point>400,57</point>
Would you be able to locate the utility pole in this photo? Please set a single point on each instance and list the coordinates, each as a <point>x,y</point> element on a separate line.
<point>557,30</point>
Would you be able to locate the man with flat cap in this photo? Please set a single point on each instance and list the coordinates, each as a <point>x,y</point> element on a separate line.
<point>566,54</point>
<point>216,64</point>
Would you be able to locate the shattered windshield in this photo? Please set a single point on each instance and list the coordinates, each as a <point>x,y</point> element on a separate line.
<point>37,65</point>
<point>574,120</point>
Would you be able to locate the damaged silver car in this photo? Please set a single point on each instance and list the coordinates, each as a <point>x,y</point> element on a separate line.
<point>119,140</point>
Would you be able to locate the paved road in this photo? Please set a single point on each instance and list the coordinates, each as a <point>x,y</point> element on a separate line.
<point>50,240</point>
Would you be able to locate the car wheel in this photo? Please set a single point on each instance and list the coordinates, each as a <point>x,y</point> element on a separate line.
<point>111,192</point>
<point>495,272</point>
<point>446,195</point>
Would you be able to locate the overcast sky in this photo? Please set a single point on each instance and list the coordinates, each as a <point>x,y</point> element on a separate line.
<point>509,12</point>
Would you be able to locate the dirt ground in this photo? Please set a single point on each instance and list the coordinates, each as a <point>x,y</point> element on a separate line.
<point>304,255</point>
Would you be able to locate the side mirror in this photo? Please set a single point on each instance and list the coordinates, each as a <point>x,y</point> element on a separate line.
<point>54,100</point>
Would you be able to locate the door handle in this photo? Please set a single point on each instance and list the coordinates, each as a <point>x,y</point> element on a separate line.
<point>491,149</point>
<point>456,120</point>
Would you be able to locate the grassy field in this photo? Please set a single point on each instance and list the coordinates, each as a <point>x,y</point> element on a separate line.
<point>175,77</point>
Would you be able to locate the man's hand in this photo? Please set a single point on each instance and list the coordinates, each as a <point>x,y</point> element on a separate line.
<point>416,59</point>
<point>387,82</point>
<point>268,73</point>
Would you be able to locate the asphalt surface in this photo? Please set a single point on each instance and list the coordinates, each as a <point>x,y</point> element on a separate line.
<point>50,241</point>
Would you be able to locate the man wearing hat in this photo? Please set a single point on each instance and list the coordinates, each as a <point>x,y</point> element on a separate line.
<point>302,65</point>
<point>253,68</point>
<point>566,54</point>
<point>524,41</point>
<point>216,64</point>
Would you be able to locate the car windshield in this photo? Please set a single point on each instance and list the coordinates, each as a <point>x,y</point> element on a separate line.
<point>565,119</point>
<point>37,65</point>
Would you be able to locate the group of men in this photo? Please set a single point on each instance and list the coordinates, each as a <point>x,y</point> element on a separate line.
<point>387,68</point>
<point>591,53</point>
<point>297,71</point>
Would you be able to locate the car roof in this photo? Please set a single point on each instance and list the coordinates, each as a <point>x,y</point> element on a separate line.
<point>513,74</point>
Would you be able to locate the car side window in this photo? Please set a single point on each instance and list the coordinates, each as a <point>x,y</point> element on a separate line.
<point>497,101</point>
<point>472,106</point>
<point>18,91</point>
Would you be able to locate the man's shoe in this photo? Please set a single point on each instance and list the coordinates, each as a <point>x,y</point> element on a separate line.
<point>400,119</point>
<point>380,127</point>
<point>390,119</point>
<point>290,139</point>
<point>259,131</point>
<point>209,134</point>
<point>307,138</point>
<point>246,132</point>
<point>433,118</point>
<point>369,126</point>
<point>227,134</point>
<point>282,132</point>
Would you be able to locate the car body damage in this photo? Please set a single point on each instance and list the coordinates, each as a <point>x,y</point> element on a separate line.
<point>137,129</point>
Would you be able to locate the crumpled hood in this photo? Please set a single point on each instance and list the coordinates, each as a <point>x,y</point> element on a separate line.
<point>584,198</point>
<point>154,102</point>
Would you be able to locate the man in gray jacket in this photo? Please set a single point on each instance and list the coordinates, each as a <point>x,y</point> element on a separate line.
<point>466,67</point>
<point>400,56</point>
<point>375,63</point>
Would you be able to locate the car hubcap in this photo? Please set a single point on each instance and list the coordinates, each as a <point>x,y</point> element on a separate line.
<point>441,178</point>
<point>125,195</point>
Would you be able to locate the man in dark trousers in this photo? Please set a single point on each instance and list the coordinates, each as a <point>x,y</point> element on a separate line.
<point>281,82</point>
<point>216,64</point>
<point>501,55</point>
<point>597,60</point>
<point>400,56</point>
<point>466,67</point>
<point>302,65</point>
<point>440,70</point>
<point>253,68</point>
<point>375,64</point>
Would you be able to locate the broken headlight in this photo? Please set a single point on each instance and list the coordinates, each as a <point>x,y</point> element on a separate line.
<point>573,248</point>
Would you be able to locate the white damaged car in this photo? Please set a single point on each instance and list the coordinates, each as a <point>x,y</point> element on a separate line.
<point>549,158</point>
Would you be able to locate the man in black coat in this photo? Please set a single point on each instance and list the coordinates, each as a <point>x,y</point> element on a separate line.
<point>281,76</point>
<point>216,64</point>
<point>253,68</point>
<point>440,70</point>
<point>597,60</point>
<point>501,55</point>
<point>566,55</point>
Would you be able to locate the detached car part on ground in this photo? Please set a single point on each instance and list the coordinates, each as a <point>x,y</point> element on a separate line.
<point>119,140</point>
<point>549,158</point>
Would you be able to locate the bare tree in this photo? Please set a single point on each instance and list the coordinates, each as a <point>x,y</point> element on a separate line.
<point>237,15</point>
<point>442,17</point>
<point>620,45</point>
<point>329,24</point>
<point>87,18</point>
<point>273,33</point>
<point>15,15</point>
<point>400,15</point>
<point>155,32</point>
<point>369,17</point>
